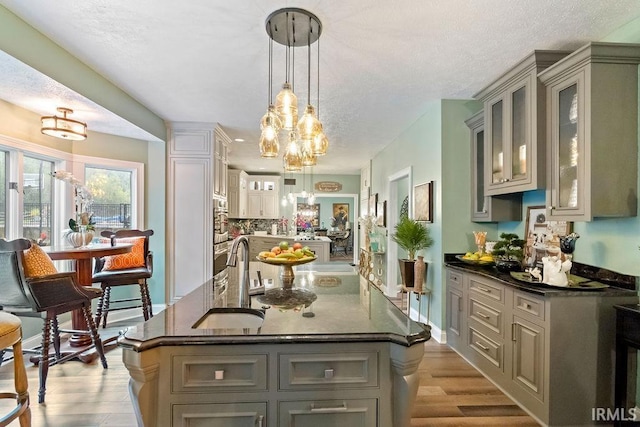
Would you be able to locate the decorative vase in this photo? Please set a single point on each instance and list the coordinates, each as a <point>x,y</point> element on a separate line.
<point>406,271</point>
<point>419,274</point>
<point>79,238</point>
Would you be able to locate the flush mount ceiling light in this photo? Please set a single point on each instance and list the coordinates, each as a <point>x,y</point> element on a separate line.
<point>293,27</point>
<point>64,127</point>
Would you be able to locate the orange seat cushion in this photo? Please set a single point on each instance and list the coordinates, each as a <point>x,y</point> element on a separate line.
<point>132,259</point>
<point>37,262</point>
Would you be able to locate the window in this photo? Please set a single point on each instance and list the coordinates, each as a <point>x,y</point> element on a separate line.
<point>112,197</point>
<point>37,200</point>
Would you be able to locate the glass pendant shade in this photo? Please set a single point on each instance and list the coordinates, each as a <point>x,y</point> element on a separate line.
<point>292,156</point>
<point>269,145</point>
<point>312,199</point>
<point>309,126</point>
<point>287,107</point>
<point>308,158</point>
<point>320,144</point>
<point>271,119</point>
<point>63,127</point>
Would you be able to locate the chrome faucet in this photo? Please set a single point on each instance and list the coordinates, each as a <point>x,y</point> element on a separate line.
<point>245,300</point>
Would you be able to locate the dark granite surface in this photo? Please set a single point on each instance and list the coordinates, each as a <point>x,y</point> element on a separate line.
<point>340,313</point>
<point>619,284</point>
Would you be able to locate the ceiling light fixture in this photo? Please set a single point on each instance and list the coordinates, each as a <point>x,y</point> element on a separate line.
<point>293,27</point>
<point>64,127</point>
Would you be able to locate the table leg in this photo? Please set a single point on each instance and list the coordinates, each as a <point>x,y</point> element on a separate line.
<point>78,323</point>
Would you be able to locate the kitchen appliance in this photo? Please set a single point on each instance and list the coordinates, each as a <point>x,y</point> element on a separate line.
<point>220,235</point>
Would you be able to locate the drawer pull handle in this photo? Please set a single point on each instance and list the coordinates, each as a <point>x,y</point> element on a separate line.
<point>526,306</point>
<point>260,419</point>
<point>328,374</point>
<point>480,288</point>
<point>219,375</point>
<point>342,408</point>
<point>484,348</point>
<point>484,316</point>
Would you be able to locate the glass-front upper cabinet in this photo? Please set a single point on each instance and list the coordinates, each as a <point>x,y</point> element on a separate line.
<point>593,133</point>
<point>487,208</point>
<point>514,112</point>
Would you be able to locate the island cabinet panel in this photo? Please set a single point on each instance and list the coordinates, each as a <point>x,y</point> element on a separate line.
<point>514,131</point>
<point>328,413</point>
<point>548,349</point>
<point>592,140</point>
<point>240,414</point>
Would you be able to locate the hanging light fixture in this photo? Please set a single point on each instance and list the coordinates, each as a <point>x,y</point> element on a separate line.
<point>320,141</point>
<point>270,124</point>
<point>294,27</point>
<point>64,127</point>
<point>311,199</point>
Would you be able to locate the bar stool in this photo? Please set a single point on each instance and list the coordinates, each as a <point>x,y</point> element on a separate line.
<point>11,336</point>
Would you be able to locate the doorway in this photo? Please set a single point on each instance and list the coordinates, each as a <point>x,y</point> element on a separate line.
<point>400,184</point>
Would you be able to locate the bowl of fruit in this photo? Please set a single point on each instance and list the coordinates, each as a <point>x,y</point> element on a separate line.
<point>287,256</point>
<point>477,258</point>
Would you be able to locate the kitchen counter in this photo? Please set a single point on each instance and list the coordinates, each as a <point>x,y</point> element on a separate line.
<point>620,284</point>
<point>351,351</point>
<point>264,242</point>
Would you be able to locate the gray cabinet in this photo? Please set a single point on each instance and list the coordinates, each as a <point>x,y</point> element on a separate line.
<point>515,126</point>
<point>487,208</point>
<point>220,164</point>
<point>593,133</point>
<point>237,193</point>
<point>536,348</point>
<point>328,413</point>
<point>244,414</point>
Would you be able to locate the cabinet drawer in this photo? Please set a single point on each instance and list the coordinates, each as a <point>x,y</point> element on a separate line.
<point>322,371</point>
<point>486,315</point>
<point>249,414</point>
<point>219,373</point>
<point>328,413</point>
<point>525,303</point>
<point>454,278</point>
<point>487,348</point>
<point>490,290</point>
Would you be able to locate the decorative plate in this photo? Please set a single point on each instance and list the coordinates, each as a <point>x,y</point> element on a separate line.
<point>475,262</point>
<point>575,282</point>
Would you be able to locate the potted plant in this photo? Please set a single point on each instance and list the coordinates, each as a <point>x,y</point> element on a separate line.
<point>412,236</point>
<point>508,252</point>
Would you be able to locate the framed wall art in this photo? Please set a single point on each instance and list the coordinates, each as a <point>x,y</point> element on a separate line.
<point>541,236</point>
<point>381,220</point>
<point>373,201</point>
<point>423,202</point>
<point>340,215</point>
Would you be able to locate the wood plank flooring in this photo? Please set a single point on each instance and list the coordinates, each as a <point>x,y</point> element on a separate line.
<point>451,393</point>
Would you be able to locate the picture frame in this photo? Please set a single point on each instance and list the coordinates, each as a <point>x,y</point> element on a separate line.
<point>541,236</point>
<point>340,214</point>
<point>423,202</point>
<point>373,201</point>
<point>381,219</point>
<point>309,214</point>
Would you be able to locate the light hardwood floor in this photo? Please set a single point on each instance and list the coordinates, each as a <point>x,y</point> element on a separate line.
<point>451,393</point>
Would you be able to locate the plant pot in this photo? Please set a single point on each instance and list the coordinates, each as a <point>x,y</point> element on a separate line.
<point>406,271</point>
<point>507,265</point>
<point>77,239</point>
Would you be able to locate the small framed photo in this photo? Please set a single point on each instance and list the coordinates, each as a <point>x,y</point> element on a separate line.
<point>381,220</point>
<point>542,236</point>
<point>423,202</point>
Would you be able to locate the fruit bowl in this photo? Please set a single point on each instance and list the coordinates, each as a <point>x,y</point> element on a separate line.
<point>287,264</point>
<point>484,263</point>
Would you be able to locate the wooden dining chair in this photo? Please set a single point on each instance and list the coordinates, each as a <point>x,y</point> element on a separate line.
<point>46,295</point>
<point>133,268</point>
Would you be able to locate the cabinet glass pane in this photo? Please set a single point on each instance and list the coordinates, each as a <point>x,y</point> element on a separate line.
<point>255,184</point>
<point>479,202</point>
<point>269,185</point>
<point>568,150</point>
<point>496,142</point>
<point>519,134</point>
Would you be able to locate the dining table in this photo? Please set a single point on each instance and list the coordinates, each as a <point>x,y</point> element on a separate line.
<point>83,259</point>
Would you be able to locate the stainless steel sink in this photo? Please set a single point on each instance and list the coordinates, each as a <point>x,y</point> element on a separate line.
<point>230,318</point>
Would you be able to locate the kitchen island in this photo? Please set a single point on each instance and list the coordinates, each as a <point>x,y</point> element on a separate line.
<point>348,358</point>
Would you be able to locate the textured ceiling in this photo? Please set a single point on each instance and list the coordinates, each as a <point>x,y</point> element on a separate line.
<point>381,61</point>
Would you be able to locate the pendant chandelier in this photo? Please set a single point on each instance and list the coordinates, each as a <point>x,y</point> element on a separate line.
<point>64,127</point>
<point>293,27</point>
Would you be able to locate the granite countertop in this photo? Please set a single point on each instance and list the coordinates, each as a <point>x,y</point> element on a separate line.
<point>619,284</point>
<point>340,313</point>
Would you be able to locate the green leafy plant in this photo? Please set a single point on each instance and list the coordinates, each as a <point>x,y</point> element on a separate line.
<point>411,236</point>
<point>75,225</point>
<point>510,247</point>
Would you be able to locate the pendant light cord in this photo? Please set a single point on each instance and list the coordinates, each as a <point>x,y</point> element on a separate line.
<point>309,64</point>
